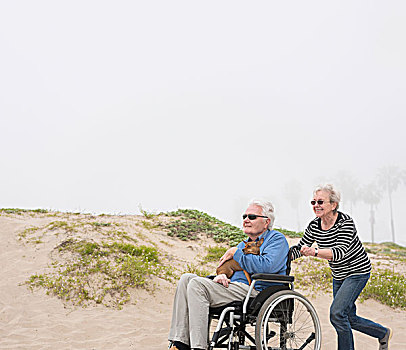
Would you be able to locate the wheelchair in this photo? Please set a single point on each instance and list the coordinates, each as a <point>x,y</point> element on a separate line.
<point>278,318</point>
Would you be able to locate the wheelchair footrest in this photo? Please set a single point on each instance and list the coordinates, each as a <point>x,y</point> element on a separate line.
<point>225,331</point>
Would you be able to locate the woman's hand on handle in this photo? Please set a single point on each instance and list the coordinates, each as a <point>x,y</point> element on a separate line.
<point>322,253</point>
<point>307,251</point>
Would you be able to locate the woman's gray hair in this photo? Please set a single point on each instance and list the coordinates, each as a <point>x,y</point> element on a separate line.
<point>333,193</point>
<point>267,210</point>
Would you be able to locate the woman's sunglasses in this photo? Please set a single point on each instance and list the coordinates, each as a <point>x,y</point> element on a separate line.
<point>319,202</point>
<point>253,216</point>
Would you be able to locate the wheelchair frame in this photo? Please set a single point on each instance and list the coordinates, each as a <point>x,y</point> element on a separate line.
<point>283,319</point>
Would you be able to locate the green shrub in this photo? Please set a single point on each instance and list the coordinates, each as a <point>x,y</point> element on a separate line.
<point>147,215</point>
<point>292,234</point>
<point>191,223</point>
<point>21,211</point>
<point>97,270</point>
<point>62,225</point>
<point>202,272</point>
<point>214,253</point>
<point>313,274</point>
<point>386,286</point>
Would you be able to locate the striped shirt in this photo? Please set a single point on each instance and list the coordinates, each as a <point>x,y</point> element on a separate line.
<point>349,256</point>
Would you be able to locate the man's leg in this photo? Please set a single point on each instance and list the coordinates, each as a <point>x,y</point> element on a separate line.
<point>179,330</point>
<point>203,293</point>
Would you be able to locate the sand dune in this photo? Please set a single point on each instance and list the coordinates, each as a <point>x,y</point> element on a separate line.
<point>35,320</point>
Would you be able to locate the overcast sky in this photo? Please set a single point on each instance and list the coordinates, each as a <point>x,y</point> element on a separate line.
<point>109,105</point>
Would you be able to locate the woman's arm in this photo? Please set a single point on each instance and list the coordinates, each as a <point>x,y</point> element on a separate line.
<point>321,253</point>
<point>306,241</point>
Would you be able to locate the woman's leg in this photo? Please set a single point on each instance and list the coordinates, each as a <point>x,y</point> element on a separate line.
<point>364,325</point>
<point>345,294</point>
<point>343,314</point>
<point>339,319</point>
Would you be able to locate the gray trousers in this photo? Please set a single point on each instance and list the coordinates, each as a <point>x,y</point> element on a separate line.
<point>190,316</point>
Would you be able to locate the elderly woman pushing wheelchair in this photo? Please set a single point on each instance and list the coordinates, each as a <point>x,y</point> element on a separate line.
<point>338,242</point>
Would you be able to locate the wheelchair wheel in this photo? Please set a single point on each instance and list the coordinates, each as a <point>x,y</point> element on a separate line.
<point>287,321</point>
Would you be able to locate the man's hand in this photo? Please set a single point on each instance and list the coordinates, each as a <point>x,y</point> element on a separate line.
<point>222,279</point>
<point>227,256</point>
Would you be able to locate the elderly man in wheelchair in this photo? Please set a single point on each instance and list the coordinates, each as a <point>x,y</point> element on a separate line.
<point>233,314</point>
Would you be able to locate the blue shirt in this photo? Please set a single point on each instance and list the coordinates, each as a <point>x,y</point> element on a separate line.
<point>272,258</point>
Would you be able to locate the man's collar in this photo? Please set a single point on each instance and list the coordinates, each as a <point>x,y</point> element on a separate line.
<point>259,237</point>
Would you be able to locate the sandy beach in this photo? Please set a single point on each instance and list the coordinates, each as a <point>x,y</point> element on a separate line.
<point>35,320</point>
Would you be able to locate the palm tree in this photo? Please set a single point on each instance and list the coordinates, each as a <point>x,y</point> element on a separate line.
<point>371,195</point>
<point>348,186</point>
<point>389,179</point>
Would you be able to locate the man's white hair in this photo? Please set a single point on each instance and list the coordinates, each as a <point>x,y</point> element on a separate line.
<point>267,210</point>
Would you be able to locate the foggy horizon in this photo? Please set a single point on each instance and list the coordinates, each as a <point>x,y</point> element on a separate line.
<point>106,107</point>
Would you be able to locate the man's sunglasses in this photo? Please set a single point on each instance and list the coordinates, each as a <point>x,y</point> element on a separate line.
<point>319,202</point>
<point>253,216</point>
